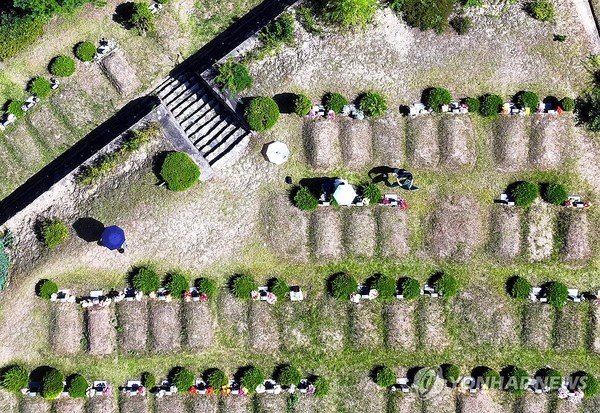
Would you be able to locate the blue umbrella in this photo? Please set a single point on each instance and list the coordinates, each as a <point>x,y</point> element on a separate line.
<point>113,237</point>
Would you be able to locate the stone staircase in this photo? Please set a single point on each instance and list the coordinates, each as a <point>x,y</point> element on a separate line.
<point>210,125</point>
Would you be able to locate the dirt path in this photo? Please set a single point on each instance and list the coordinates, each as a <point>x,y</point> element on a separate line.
<point>586,16</point>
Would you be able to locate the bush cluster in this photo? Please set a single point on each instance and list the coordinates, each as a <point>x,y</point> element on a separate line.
<point>528,99</point>
<point>588,383</point>
<point>17,32</point>
<point>515,379</point>
<point>208,287</point>
<point>542,10</point>
<point>234,76</point>
<point>242,286</point>
<point>182,378</point>
<point>142,18</point>
<point>491,378</point>
<point>177,285</point>
<point>302,105</point>
<point>148,380</point>
<point>567,104</point>
<point>146,280</point>
<point>373,104</point>
<point>462,24</point>
<point>15,378</point>
<point>217,379</point>
<point>77,386</point>
<point>552,378</point>
<point>62,66</point>
<point>85,51</point>
<point>372,192</point>
<point>179,171</point>
<point>446,284</point>
<point>278,33</point>
<point>262,113</point>
<point>490,105</point>
<point>251,378</point>
<point>557,294</point>
<point>305,199</point>
<point>426,14</point>
<point>40,86</point>
<point>524,193</point>
<point>321,387</point>
<point>279,288</point>
<point>349,13</point>
<point>335,102</point>
<point>47,288</point>
<point>409,288</point>
<point>54,232</point>
<point>451,373</point>
<point>289,375</point>
<point>342,285</point>
<point>14,107</point>
<point>385,377</point>
<point>52,384</point>
<point>473,104</point>
<point>385,286</point>
<point>520,288</point>
<point>555,194</point>
<point>437,97</point>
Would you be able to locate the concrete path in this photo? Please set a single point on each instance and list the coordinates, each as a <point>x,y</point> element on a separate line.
<point>584,11</point>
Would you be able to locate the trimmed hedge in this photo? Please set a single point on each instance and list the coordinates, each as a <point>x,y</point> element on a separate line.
<point>234,76</point>
<point>557,294</point>
<point>177,285</point>
<point>302,105</point>
<point>85,51</point>
<point>62,66</point>
<point>179,171</point>
<point>473,104</point>
<point>451,373</point>
<point>524,193</point>
<point>409,288</point>
<point>217,379</point>
<point>588,383</point>
<point>305,199</point>
<point>40,86</point>
<point>148,380</point>
<point>146,280</point>
<point>46,289</point>
<point>516,380</point>
<point>373,104</point>
<point>14,107</point>
<point>183,379</point>
<point>385,377</point>
<point>567,104</point>
<point>208,287</point>
<point>321,387</point>
<point>142,18</point>
<point>528,99</point>
<point>462,24</point>
<point>289,375</point>
<point>77,386</point>
<point>54,233</point>
<point>279,288</point>
<point>349,13</point>
<point>52,384</point>
<point>15,379</point>
<point>520,288</point>
<point>437,97</point>
<point>542,10</point>
<point>342,285</point>
<point>262,113</point>
<point>446,284</point>
<point>553,378</point>
<point>372,191</point>
<point>490,105</point>
<point>556,194</point>
<point>242,286</point>
<point>335,102</point>
<point>385,286</point>
<point>251,378</point>
<point>491,378</point>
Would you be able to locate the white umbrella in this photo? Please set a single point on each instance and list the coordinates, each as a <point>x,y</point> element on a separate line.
<point>344,194</point>
<point>277,152</point>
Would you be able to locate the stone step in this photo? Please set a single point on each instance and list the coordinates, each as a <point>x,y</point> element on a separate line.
<point>199,104</point>
<point>168,81</point>
<point>198,118</point>
<point>205,145</point>
<point>230,150</point>
<point>185,105</point>
<point>216,130</point>
<point>208,123</point>
<point>170,97</point>
<point>184,97</point>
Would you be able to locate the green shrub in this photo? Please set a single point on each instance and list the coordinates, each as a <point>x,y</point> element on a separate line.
<point>385,286</point>
<point>473,104</point>
<point>373,104</point>
<point>40,86</point>
<point>148,380</point>
<point>306,17</point>
<point>524,193</point>
<point>474,3</point>
<point>305,200</point>
<point>567,104</point>
<point>262,113</point>
<point>90,174</point>
<point>183,379</point>
<point>179,171</point>
<point>217,379</point>
<point>451,373</point>
<point>426,14</point>
<point>52,384</point>
<point>54,233</point>
<point>302,105</point>
<point>516,380</point>
<point>138,138</point>
<point>556,194</point>
<point>146,280</point>
<point>409,288</point>
<point>85,51</point>
<point>557,294</point>
<point>372,192</point>
<point>528,99</point>
<point>520,288</point>
<point>17,32</point>
<point>425,379</point>
<point>278,33</point>
<point>4,266</point>
<point>385,377</point>
<point>542,10</point>
<point>234,76</point>
<point>588,109</point>
<point>462,24</point>
<point>335,102</point>
<point>342,285</point>
<point>62,66</point>
<point>491,378</point>
<point>490,105</point>
<point>289,375</point>
<point>208,287</point>
<point>47,288</point>
<point>163,1</point>
<point>437,97</point>
<point>321,387</point>
<point>177,285</point>
<point>14,107</point>
<point>142,18</point>
<point>77,386</point>
<point>588,383</point>
<point>280,288</point>
<point>242,286</point>
<point>251,378</point>
<point>447,285</point>
<point>349,13</point>
<point>552,378</point>
<point>15,379</point>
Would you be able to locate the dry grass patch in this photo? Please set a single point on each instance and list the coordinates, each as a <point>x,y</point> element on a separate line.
<point>35,405</point>
<point>577,240</point>
<point>405,402</point>
<point>445,402</point>
<point>431,324</point>
<point>310,404</point>
<point>400,325</point>
<point>566,406</point>
<point>67,328</point>
<point>569,328</point>
<point>165,327</point>
<point>321,143</point>
<point>134,404</point>
<point>532,403</point>
<point>68,405</point>
<point>121,73</point>
<point>76,106</point>
<point>537,326</point>
<point>202,404</point>
<point>270,403</point>
<point>392,229</point>
<point>457,136</point>
<point>388,139</point>
<point>101,404</point>
<point>549,140</point>
<point>286,227</point>
<point>505,241</point>
<point>359,232</point>
<point>334,316</point>
<point>133,323</point>
<point>591,405</point>
<point>8,402</point>
<point>479,403</point>
<point>263,332</point>
<point>26,147</point>
<point>233,404</point>
<point>101,333</point>
<point>422,141</point>
<point>540,237</point>
<point>295,334</point>
<point>510,143</point>
<point>456,229</point>
<point>199,325</point>
<point>170,404</point>
<point>327,233</point>
<point>485,317</point>
<point>233,314</point>
<point>365,323</point>
<point>355,142</point>
<point>365,396</point>
<point>595,328</point>
<point>48,126</point>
